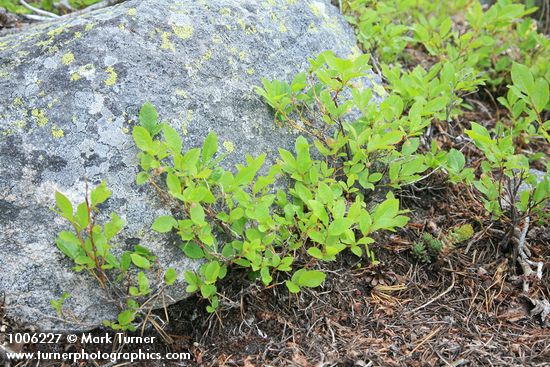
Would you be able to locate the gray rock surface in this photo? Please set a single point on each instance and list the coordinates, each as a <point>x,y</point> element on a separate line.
<point>70,91</point>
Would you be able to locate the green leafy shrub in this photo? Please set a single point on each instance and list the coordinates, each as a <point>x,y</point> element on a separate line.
<point>239,219</point>
<point>482,50</point>
<point>484,46</point>
<point>89,247</point>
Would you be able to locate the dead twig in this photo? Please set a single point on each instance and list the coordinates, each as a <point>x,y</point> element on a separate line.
<point>42,12</point>
<point>439,296</point>
<point>523,258</point>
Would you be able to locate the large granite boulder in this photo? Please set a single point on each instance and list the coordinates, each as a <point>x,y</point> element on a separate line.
<point>70,91</point>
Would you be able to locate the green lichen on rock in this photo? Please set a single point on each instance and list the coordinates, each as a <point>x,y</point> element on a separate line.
<point>40,117</point>
<point>166,44</point>
<point>67,58</point>
<point>111,76</point>
<point>229,146</point>
<point>184,32</point>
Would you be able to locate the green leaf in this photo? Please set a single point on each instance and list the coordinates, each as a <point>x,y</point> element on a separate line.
<point>173,183</point>
<point>100,194</point>
<point>339,226</point>
<point>113,226</point>
<point>386,215</point>
<point>357,251</point>
<point>190,160</point>
<point>142,138</point>
<point>192,250</point>
<point>140,261</point>
<point>142,178</point>
<point>311,278</point>
<point>211,272</point>
<point>208,290</point>
<point>143,283</point>
<point>523,79</point>
<point>293,288</point>
<point>164,223</point>
<point>170,276</point>
<point>210,147</point>
<point>303,160</point>
<point>173,139</point>
<point>81,215</point>
<point>315,252</point>
<point>541,95</point>
<point>126,317</point>
<point>64,205</point>
<point>455,160</point>
<point>197,214</point>
<point>69,244</point>
<point>148,118</point>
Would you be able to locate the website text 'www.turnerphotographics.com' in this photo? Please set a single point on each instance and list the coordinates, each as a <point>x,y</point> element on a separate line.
<point>113,347</point>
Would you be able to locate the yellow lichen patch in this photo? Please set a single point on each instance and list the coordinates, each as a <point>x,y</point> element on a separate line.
<point>122,27</point>
<point>181,93</point>
<point>41,119</point>
<point>243,55</point>
<point>111,76</point>
<point>241,23</point>
<point>57,133</point>
<point>68,58</point>
<point>207,55</point>
<point>132,12</point>
<point>57,31</point>
<point>4,74</point>
<point>75,76</point>
<point>77,34</point>
<point>282,27</point>
<point>166,43</point>
<point>45,43</point>
<point>229,146</point>
<point>17,102</point>
<point>225,12</point>
<point>89,27</point>
<point>184,32</point>
<point>42,93</point>
<point>315,10</point>
<point>250,71</point>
